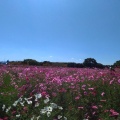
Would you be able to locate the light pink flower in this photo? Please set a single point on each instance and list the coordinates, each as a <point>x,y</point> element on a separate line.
<point>103,93</point>
<point>119,81</point>
<point>90,88</point>
<point>94,107</point>
<point>111,82</point>
<point>77,98</point>
<point>80,107</point>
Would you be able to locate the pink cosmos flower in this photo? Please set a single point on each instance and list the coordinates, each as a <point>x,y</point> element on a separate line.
<point>93,113</point>
<point>103,93</point>
<point>94,107</point>
<point>77,98</point>
<point>111,82</point>
<point>80,107</point>
<point>83,86</point>
<point>25,108</point>
<point>90,88</point>
<point>85,93</point>
<point>113,113</point>
<point>119,81</point>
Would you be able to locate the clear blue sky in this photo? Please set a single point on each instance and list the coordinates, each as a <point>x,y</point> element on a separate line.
<point>60,30</point>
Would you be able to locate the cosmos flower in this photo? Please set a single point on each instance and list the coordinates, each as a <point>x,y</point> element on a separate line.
<point>15,103</point>
<point>18,115</point>
<point>29,102</point>
<point>53,105</point>
<point>48,114</point>
<point>3,107</point>
<point>46,100</point>
<point>103,93</point>
<point>38,96</point>
<point>8,109</point>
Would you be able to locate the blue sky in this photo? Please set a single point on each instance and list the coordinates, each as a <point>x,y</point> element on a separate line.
<point>60,30</point>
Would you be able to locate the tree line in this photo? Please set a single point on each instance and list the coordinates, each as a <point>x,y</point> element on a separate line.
<point>88,63</point>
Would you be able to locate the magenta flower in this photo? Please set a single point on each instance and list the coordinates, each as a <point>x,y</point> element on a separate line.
<point>113,113</point>
<point>44,94</point>
<point>94,107</point>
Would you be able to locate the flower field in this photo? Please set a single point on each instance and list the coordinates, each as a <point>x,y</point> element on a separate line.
<point>46,93</point>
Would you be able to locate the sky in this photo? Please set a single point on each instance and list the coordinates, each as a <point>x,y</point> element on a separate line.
<point>60,30</point>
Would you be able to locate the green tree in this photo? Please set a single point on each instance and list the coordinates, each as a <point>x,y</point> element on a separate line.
<point>71,65</point>
<point>47,63</point>
<point>30,62</point>
<point>117,63</point>
<point>101,66</point>
<point>90,62</point>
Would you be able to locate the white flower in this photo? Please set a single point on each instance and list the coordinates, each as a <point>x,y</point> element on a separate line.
<point>32,118</point>
<point>65,118</point>
<point>29,98</point>
<point>36,99</point>
<point>20,99</point>
<point>38,95</point>
<point>43,111</point>
<point>53,105</point>
<point>59,107</point>
<point>22,103</point>
<point>48,114</point>
<point>38,117</point>
<point>49,109</point>
<point>37,104</point>
<point>3,107</point>
<point>15,103</point>
<point>8,109</point>
<point>18,115</point>
<point>26,99</point>
<point>59,116</point>
<point>29,102</point>
<point>46,100</point>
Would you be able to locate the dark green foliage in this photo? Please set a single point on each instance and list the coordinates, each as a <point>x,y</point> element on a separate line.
<point>30,62</point>
<point>117,63</point>
<point>99,65</point>
<point>75,65</point>
<point>47,63</point>
<point>71,65</point>
<point>90,62</point>
<point>79,65</point>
